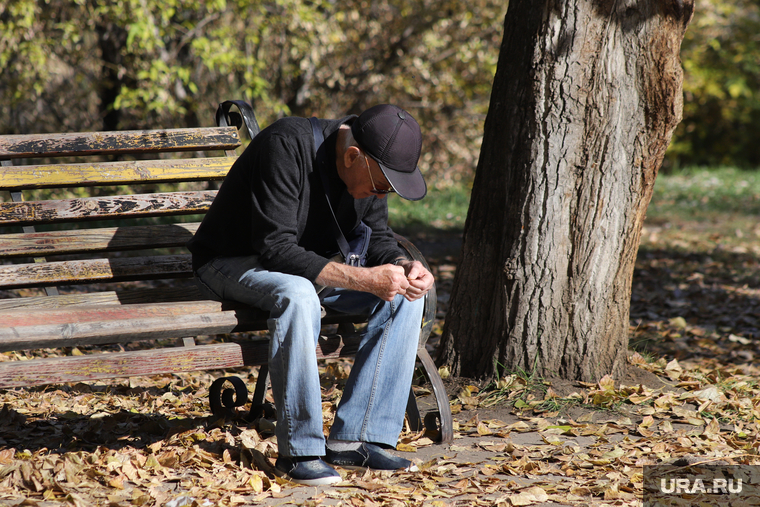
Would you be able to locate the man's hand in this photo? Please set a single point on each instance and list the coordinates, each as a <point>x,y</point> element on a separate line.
<point>387,281</point>
<point>410,279</point>
<point>420,279</point>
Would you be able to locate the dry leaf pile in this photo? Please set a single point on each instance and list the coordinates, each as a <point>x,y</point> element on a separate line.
<point>520,441</point>
<point>150,441</point>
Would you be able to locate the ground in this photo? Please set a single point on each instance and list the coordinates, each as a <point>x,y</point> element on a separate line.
<point>690,393</point>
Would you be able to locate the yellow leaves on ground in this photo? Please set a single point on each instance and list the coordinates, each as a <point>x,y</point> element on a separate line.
<point>150,442</point>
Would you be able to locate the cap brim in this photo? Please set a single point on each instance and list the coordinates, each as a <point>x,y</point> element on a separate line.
<point>410,186</point>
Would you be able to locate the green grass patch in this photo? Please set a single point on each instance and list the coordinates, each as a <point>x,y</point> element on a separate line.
<point>704,194</point>
<point>709,210</point>
<point>443,209</point>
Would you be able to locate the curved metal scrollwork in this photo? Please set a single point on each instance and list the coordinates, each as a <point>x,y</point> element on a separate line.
<point>224,401</point>
<point>246,116</point>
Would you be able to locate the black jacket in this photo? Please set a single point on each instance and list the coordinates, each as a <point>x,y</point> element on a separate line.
<point>272,204</point>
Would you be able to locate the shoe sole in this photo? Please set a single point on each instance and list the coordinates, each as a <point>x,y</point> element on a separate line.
<point>410,468</point>
<point>322,481</point>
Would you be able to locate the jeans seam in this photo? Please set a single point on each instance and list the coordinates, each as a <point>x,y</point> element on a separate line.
<point>381,353</point>
<point>207,288</point>
<point>282,367</point>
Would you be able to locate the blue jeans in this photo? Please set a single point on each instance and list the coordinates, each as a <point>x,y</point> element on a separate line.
<point>374,401</point>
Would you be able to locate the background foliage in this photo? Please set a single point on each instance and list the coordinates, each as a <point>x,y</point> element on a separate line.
<point>71,65</point>
<point>93,65</point>
<point>721,59</point>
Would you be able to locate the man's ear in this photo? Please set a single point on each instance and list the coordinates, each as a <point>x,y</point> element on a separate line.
<point>351,154</point>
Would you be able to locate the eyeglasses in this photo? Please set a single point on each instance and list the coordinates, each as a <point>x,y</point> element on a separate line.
<point>374,189</point>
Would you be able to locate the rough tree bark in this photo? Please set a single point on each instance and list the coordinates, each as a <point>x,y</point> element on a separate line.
<point>586,96</point>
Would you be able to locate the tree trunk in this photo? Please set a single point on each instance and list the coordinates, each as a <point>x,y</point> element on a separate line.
<point>586,96</point>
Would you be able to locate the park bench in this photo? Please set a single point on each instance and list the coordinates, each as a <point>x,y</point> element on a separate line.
<point>93,228</point>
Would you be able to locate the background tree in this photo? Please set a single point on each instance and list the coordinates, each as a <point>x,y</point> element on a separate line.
<point>721,56</point>
<point>72,65</point>
<point>585,100</point>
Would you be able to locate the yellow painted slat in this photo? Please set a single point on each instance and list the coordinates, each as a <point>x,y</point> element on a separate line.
<point>95,270</point>
<point>114,173</point>
<point>102,239</point>
<point>127,141</point>
<point>177,292</point>
<point>103,208</point>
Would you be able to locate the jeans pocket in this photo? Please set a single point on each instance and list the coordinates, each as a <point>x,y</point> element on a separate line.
<point>206,291</point>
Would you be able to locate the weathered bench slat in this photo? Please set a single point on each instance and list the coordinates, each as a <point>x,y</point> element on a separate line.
<point>111,143</point>
<point>115,173</point>
<point>105,239</point>
<point>108,324</point>
<point>126,297</point>
<point>121,364</point>
<point>100,208</point>
<point>16,276</point>
<point>153,362</point>
<point>121,331</point>
<point>27,317</point>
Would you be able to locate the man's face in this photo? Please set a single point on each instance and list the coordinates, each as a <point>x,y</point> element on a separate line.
<point>365,178</point>
<point>385,188</point>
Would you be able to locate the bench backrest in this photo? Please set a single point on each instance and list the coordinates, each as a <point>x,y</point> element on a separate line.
<point>102,207</point>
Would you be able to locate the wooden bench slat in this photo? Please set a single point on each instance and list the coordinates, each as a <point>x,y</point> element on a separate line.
<point>42,274</point>
<point>122,331</point>
<point>121,364</point>
<point>29,317</point>
<point>100,325</point>
<point>114,173</point>
<point>121,142</point>
<point>154,362</point>
<point>104,239</point>
<point>125,297</point>
<point>101,208</point>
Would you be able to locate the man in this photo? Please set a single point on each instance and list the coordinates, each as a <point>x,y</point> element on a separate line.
<point>267,241</point>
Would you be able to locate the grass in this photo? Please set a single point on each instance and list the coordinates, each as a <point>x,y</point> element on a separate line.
<point>705,210</point>
<point>442,209</point>
<point>704,195</point>
<point>699,194</point>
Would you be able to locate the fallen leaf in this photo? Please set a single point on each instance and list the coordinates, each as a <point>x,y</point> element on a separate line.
<point>529,496</point>
<point>673,369</point>
<point>483,429</point>
<point>519,426</point>
<point>739,339</point>
<point>710,393</point>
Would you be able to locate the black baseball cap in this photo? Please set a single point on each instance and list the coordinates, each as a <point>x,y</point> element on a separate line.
<point>392,137</point>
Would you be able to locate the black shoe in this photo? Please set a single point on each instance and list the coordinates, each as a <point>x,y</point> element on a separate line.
<point>368,456</point>
<point>309,471</point>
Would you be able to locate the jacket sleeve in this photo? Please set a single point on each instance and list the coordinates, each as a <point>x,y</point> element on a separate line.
<point>278,191</point>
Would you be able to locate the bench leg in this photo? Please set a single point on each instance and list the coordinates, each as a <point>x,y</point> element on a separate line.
<point>413,413</point>
<point>224,402</point>
<point>443,415</point>
<point>260,409</point>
